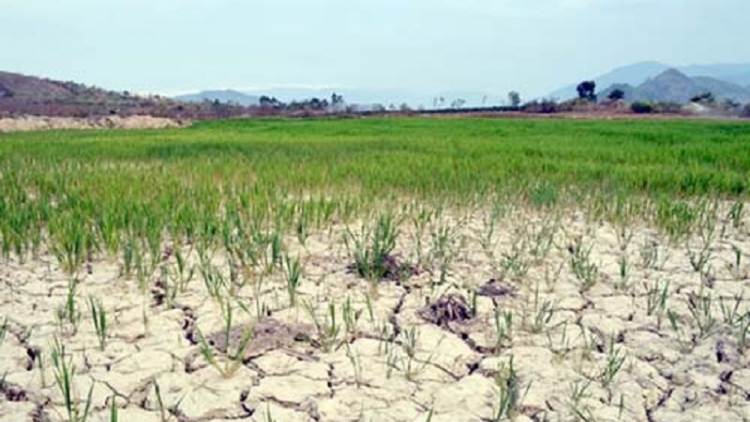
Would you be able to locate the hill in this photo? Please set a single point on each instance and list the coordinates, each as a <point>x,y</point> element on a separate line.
<point>224,96</point>
<point>35,96</point>
<point>638,73</point>
<point>672,85</point>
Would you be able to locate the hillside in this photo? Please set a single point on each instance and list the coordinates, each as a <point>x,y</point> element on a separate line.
<point>35,96</point>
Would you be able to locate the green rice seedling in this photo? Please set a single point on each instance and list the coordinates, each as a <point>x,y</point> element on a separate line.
<point>560,347</point>
<point>510,392</point>
<point>410,345</point>
<point>350,317</point>
<point>234,359</point>
<point>543,195</point>
<point>580,263</point>
<point>537,315</point>
<point>372,248</point>
<point>579,390</point>
<point>128,258</point>
<point>356,362</point>
<point>488,239</point>
<point>3,330</point>
<point>420,220</point>
<point>624,266</point>
<point>268,417</point>
<point>731,312</point>
<point>68,315</point>
<point>674,321</point>
<point>444,250</point>
<point>515,262</point>
<point>65,372</point>
<point>736,213</point>
<point>293,272</point>
<point>99,318</point>
<point>656,301</point>
<point>368,305</point>
<point>700,306</point>
<point>327,328</point>
<point>113,412</point>
<point>650,255</point>
<point>705,223</point>
<point>214,281</point>
<point>541,241</point>
<point>743,329</point>
<point>164,411</point>
<point>612,366</point>
<point>503,328</point>
<point>676,218</point>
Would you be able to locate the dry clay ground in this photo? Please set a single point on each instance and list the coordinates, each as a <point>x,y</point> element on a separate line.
<point>586,340</point>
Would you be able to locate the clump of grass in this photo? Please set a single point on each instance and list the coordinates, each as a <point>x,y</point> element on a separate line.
<point>99,319</point>
<point>372,248</point>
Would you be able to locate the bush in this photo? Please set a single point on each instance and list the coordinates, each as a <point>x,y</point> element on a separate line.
<point>544,106</point>
<point>641,107</point>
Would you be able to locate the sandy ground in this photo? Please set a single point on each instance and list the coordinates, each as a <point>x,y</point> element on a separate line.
<point>31,123</point>
<point>423,353</point>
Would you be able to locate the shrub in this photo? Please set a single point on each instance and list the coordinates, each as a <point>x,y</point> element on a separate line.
<point>642,107</point>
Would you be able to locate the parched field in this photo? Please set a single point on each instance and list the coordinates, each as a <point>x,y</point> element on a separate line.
<point>405,269</point>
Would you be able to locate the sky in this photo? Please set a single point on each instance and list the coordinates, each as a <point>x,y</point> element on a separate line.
<point>425,46</point>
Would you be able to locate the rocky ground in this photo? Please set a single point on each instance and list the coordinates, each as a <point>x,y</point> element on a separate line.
<point>542,316</point>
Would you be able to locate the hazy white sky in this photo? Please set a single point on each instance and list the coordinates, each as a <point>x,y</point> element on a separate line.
<point>426,46</point>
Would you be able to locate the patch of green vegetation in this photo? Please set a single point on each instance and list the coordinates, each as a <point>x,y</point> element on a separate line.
<point>95,192</point>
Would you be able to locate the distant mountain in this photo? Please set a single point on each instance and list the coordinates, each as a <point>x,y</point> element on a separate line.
<point>224,96</point>
<point>672,85</point>
<point>634,74</point>
<point>638,73</point>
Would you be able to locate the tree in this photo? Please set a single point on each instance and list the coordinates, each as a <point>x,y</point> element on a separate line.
<point>458,103</point>
<point>514,98</point>
<point>704,98</point>
<point>746,111</point>
<point>616,94</point>
<point>587,90</point>
<point>337,100</point>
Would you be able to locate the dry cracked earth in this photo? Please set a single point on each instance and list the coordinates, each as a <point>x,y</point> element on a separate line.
<point>544,316</point>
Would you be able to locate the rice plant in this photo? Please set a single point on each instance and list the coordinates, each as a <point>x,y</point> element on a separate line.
<point>503,328</point>
<point>68,316</point>
<point>510,391</point>
<point>656,300</point>
<point>372,247</point>
<point>700,305</point>
<point>613,364</point>
<point>327,327</point>
<point>293,271</point>
<point>65,374</point>
<point>99,319</point>
<point>585,271</point>
<point>234,356</point>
